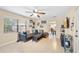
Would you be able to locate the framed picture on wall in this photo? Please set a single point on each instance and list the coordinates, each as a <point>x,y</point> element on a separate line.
<point>43,21</point>
<point>41,26</point>
<point>31,21</point>
<point>30,25</point>
<point>38,24</point>
<point>67,22</point>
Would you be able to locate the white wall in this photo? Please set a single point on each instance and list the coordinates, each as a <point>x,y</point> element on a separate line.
<point>6,38</point>
<point>72,14</point>
<point>77,33</point>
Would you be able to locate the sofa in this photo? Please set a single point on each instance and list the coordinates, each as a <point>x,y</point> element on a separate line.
<point>39,35</point>
<point>24,36</point>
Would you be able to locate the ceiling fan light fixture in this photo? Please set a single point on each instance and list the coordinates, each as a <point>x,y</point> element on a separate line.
<point>36,10</point>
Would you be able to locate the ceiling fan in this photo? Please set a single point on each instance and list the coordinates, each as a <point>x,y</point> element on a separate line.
<point>36,12</point>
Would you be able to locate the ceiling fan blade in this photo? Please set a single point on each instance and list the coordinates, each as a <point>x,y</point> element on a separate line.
<point>42,13</point>
<point>28,11</point>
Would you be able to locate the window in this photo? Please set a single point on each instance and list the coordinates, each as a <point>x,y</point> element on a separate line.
<point>10,25</point>
<point>22,26</point>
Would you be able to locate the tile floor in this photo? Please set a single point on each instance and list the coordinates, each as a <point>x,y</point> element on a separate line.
<point>45,45</point>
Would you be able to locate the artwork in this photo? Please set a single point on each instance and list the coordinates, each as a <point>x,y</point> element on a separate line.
<point>67,18</point>
<point>43,22</point>
<point>41,26</point>
<point>38,24</point>
<point>30,25</point>
<point>10,25</point>
<point>31,21</point>
<point>66,22</point>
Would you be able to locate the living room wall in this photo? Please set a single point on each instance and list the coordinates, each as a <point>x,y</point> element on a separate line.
<point>72,15</point>
<point>9,37</point>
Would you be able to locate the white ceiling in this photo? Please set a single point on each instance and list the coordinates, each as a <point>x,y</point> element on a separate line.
<point>51,11</point>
